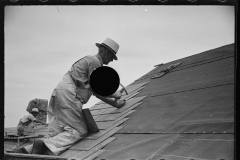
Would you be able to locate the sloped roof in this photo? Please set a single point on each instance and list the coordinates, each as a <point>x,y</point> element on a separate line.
<point>186,112</point>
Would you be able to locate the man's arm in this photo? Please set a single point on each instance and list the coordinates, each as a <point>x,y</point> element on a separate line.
<point>33,119</point>
<point>38,121</point>
<point>116,95</point>
<point>115,103</point>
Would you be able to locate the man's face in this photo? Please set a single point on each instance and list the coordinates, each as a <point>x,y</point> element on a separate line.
<point>107,57</point>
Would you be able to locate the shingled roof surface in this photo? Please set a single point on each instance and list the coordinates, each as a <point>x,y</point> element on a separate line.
<point>182,110</point>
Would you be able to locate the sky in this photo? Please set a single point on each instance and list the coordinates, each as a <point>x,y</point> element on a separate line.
<point>42,42</point>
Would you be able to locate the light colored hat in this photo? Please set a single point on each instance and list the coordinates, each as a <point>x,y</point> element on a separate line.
<point>35,110</point>
<point>111,45</point>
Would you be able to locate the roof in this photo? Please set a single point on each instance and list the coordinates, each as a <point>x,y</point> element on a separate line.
<point>180,110</point>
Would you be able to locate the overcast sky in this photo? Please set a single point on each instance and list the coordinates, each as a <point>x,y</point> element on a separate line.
<point>42,42</point>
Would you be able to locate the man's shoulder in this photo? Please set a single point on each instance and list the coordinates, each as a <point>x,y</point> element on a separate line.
<point>27,115</point>
<point>30,116</point>
<point>92,59</point>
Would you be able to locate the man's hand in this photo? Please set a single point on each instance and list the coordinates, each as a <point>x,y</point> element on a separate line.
<point>117,95</point>
<point>115,103</point>
<point>119,103</point>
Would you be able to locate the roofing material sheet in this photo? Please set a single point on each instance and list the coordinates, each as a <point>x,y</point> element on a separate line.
<point>116,114</point>
<point>170,147</point>
<point>85,154</point>
<point>134,87</point>
<point>75,155</point>
<point>86,144</point>
<point>102,132</point>
<point>188,65</point>
<point>130,95</point>
<point>216,53</point>
<point>99,111</point>
<point>203,146</point>
<point>96,154</point>
<point>99,106</point>
<point>107,124</point>
<point>203,110</point>
<point>136,146</point>
<point>205,75</point>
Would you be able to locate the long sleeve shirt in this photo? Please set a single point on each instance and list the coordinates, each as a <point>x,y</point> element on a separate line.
<point>80,73</point>
<point>65,106</point>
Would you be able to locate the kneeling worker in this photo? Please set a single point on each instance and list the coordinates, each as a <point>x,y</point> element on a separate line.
<point>26,120</point>
<point>66,122</point>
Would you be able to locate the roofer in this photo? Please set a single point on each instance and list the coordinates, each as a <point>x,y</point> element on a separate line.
<point>26,120</point>
<point>66,121</point>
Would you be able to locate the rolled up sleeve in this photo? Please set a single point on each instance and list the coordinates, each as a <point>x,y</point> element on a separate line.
<point>31,117</point>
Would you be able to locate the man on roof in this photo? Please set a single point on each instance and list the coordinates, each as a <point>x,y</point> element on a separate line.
<point>66,121</point>
<point>27,120</point>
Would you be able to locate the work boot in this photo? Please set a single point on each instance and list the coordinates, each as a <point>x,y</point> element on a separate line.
<point>20,150</point>
<point>38,147</point>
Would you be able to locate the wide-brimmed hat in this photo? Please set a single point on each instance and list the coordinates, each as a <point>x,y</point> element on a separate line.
<point>111,45</point>
<point>35,110</point>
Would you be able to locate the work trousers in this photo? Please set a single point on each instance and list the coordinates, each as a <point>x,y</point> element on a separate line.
<point>66,122</point>
<point>59,143</point>
<point>20,129</point>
